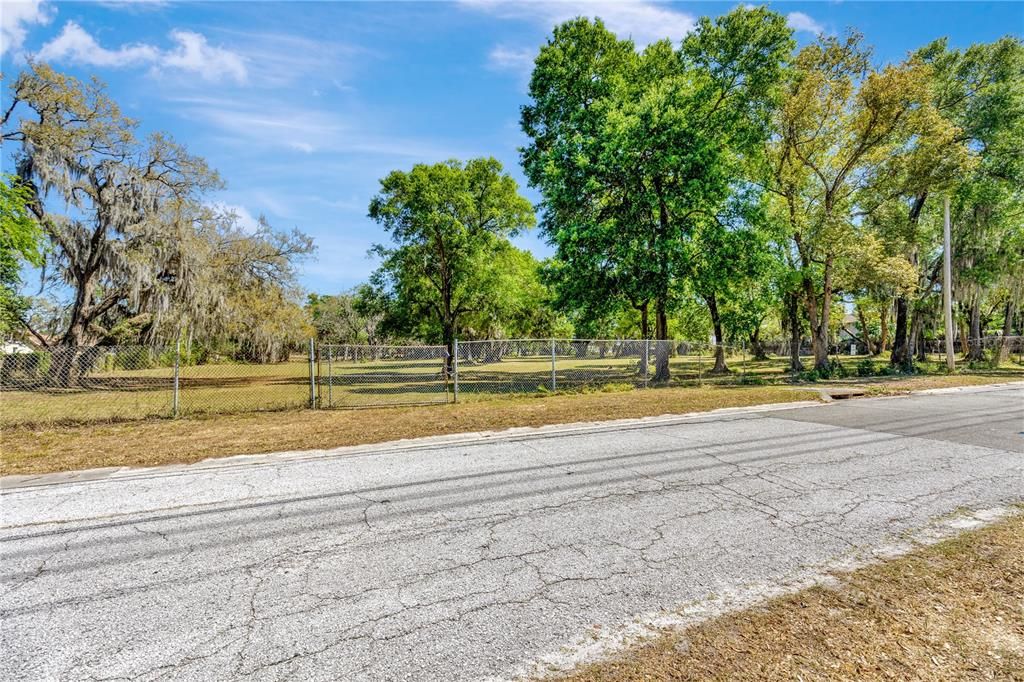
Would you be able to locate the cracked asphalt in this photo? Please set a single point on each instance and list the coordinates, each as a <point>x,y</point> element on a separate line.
<point>471,558</point>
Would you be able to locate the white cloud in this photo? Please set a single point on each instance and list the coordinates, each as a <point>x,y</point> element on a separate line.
<point>194,54</point>
<point>190,54</point>
<point>15,17</point>
<point>643,21</point>
<point>302,147</point>
<point>798,21</point>
<point>504,58</point>
<point>243,218</point>
<point>74,44</point>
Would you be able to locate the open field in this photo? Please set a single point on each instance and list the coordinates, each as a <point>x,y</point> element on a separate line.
<point>954,610</point>
<point>111,395</point>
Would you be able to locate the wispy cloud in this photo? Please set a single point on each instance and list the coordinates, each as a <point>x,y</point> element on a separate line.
<point>642,20</point>
<point>505,58</point>
<point>133,5</point>
<point>798,21</point>
<point>16,17</point>
<point>278,59</point>
<point>259,123</point>
<point>191,53</point>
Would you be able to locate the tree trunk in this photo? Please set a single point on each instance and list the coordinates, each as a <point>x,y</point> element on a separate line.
<point>795,335</point>
<point>902,347</point>
<point>883,320</point>
<point>819,316</point>
<point>916,340</point>
<point>756,347</point>
<point>448,339</point>
<point>645,323</point>
<point>865,334</point>
<point>661,352</point>
<point>975,350</point>
<point>901,350</point>
<point>62,372</point>
<point>1004,343</point>
<point>716,322</point>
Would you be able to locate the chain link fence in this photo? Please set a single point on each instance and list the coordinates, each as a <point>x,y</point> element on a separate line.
<point>99,383</point>
<point>530,365</point>
<point>115,383</point>
<point>365,376</point>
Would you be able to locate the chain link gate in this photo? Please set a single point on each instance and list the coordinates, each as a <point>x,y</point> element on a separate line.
<point>349,376</point>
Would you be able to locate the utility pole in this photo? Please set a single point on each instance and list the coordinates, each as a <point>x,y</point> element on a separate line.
<point>947,287</point>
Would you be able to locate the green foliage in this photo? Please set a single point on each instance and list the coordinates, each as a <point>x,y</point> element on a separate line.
<point>451,260</point>
<point>28,365</point>
<point>834,369</point>
<point>130,229</point>
<point>349,318</point>
<point>20,242</point>
<point>634,153</point>
<point>866,368</point>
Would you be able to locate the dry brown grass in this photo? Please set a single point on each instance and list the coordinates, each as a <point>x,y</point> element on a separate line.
<point>953,611</point>
<point>897,385</point>
<point>31,450</point>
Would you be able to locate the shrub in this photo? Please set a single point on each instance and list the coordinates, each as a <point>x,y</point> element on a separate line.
<point>133,357</point>
<point>866,368</point>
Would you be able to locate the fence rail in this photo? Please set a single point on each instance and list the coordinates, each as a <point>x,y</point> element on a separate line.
<point>114,383</point>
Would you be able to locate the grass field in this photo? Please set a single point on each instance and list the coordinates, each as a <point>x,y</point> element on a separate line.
<point>952,611</point>
<point>110,395</point>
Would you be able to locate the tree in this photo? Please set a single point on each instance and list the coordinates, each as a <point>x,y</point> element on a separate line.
<point>129,229</point>
<point>971,107</point>
<point>127,202</point>
<point>984,86</point>
<point>446,220</point>
<point>20,242</point>
<point>631,151</point>
<point>244,293</point>
<point>839,120</point>
<point>349,318</point>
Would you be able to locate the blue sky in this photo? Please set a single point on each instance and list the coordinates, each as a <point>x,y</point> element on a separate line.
<point>302,107</point>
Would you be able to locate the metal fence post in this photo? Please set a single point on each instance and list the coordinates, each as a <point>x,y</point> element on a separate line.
<point>743,360</point>
<point>177,372</point>
<point>455,371</point>
<point>312,378</point>
<point>330,377</point>
<point>645,360</point>
<point>700,381</point>
<point>554,382</point>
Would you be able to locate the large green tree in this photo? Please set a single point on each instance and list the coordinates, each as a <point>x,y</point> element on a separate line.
<point>839,120</point>
<point>971,131</point>
<point>632,151</point>
<point>447,222</point>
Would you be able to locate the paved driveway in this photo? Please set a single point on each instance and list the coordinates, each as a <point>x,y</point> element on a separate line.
<point>470,558</point>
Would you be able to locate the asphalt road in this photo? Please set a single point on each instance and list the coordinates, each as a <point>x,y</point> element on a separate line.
<point>473,558</point>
